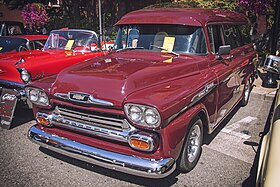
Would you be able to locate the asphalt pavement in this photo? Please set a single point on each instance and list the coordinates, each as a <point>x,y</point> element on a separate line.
<point>228,157</point>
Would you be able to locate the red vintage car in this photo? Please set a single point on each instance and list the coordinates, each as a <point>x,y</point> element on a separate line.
<point>19,43</point>
<point>62,49</point>
<point>145,108</point>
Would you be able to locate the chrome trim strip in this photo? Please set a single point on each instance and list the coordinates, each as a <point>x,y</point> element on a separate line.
<point>207,89</point>
<point>133,165</point>
<point>91,99</point>
<point>118,135</point>
<point>99,101</point>
<point>61,95</point>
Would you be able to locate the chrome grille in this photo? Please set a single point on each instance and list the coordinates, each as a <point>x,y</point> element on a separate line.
<point>96,119</point>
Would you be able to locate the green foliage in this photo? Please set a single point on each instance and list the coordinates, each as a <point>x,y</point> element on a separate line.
<point>220,4</point>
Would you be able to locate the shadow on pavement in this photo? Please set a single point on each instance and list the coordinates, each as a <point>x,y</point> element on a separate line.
<point>225,121</point>
<point>167,181</point>
<point>21,116</point>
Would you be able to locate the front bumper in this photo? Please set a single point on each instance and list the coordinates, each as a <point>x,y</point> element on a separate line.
<point>16,86</point>
<point>10,93</point>
<point>111,160</point>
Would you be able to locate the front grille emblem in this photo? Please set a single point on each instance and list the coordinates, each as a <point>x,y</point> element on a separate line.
<point>79,96</point>
<point>82,98</point>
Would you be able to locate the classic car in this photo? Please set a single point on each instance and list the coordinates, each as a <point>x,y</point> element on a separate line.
<point>11,28</point>
<point>146,107</point>
<point>21,43</point>
<point>268,171</point>
<point>63,48</point>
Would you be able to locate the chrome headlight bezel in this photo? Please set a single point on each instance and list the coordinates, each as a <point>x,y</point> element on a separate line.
<point>142,114</point>
<point>24,75</point>
<point>37,96</point>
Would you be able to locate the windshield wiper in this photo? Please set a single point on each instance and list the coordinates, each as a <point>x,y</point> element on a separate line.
<point>166,50</point>
<point>129,48</point>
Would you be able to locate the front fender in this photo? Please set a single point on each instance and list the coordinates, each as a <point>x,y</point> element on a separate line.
<point>170,97</point>
<point>173,135</point>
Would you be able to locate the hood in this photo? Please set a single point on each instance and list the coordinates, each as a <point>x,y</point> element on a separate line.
<point>113,77</point>
<point>33,54</point>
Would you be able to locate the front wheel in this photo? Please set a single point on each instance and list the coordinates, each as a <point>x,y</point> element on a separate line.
<point>192,146</point>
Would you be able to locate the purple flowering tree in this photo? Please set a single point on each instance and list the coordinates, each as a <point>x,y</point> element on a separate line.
<point>258,6</point>
<point>259,12</point>
<point>35,16</point>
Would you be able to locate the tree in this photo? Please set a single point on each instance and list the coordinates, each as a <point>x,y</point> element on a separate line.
<point>34,15</point>
<point>222,4</point>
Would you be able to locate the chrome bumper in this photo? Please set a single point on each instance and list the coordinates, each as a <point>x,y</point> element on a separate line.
<point>111,160</point>
<point>11,84</point>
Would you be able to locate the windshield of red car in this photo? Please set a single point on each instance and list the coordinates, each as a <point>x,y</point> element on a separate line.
<point>75,40</point>
<point>160,37</point>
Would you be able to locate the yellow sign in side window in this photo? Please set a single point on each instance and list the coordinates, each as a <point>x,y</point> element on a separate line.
<point>168,43</point>
<point>1,48</point>
<point>69,44</point>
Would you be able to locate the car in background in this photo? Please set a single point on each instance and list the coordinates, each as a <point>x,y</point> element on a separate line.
<point>22,43</point>
<point>268,172</point>
<point>63,48</point>
<point>147,107</point>
<point>8,28</point>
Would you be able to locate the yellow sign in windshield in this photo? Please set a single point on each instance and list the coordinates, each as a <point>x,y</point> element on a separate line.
<point>69,44</point>
<point>1,48</point>
<point>168,43</point>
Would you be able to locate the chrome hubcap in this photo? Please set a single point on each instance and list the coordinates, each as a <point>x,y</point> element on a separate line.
<point>194,143</point>
<point>247,91</point>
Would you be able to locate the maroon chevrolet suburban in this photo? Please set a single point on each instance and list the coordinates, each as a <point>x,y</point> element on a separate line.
<point>145,108</point>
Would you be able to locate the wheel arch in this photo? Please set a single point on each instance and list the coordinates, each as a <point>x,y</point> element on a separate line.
<point>205,121</point>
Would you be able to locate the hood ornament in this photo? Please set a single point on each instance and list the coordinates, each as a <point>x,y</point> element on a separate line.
<point>82,98</point>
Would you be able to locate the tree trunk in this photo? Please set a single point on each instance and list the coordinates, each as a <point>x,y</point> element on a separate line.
<point>76,17</point>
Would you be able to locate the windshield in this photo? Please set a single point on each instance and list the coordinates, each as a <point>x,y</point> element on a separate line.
<point>9,44</point>
<point>164,38</point>
<point>76,40</point>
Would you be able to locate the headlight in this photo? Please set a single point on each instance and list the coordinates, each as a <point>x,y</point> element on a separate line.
<point>142,115</point>
<point>37,96</point>
<point>24,75</point>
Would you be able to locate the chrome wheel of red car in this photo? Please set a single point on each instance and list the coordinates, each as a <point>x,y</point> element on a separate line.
<point>192,146</point>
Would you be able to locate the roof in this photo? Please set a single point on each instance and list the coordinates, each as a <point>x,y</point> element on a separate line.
<point>28,37</point>
<point>182,16</point>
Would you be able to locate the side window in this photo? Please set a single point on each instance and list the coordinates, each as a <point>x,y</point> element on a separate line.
<point>215,37</point>
<point>245,33</point>
<point>120,43</point>
<point>231,36</point>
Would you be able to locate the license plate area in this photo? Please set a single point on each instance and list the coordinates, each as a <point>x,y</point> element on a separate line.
<point>8,102</point>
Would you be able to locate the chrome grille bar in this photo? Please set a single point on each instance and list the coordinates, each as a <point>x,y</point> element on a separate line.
<point>96,120</point>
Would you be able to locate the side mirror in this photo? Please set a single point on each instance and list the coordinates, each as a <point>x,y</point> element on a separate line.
<point>223,50</point>
<point>272,64</point>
